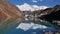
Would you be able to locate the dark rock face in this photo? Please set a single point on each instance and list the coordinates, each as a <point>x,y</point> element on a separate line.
<point>51,15</point>
<point>54,14</point>
<point>10,16</point>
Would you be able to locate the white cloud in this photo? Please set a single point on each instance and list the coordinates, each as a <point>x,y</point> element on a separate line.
<point>35,1</point>
<point>27,26</point>
<point>27,7</point>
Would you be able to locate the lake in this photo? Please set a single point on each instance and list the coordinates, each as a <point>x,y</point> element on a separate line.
<point>34,26</point>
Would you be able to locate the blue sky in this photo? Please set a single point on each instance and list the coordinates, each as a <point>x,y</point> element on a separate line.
<point>49,3</point>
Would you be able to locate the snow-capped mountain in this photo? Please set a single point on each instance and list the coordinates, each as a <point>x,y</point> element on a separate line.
<point>27,26</point>
<point>27,7</point>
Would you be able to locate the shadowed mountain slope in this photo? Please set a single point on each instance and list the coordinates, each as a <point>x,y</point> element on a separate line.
<point>51,15</point>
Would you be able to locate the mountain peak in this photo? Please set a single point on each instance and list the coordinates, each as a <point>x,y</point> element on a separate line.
<point>28,7</point>
<point>57,6</point>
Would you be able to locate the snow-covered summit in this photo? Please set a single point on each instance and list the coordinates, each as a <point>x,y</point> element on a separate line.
<point>27,7</point>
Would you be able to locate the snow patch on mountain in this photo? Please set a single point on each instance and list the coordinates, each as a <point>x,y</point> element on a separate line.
<point>27,26</point>
<point>27,7</point>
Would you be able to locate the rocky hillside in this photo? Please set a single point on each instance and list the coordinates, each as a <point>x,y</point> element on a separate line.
<point>10,16</point>
<point>53,16</point>
<point>50,14</point>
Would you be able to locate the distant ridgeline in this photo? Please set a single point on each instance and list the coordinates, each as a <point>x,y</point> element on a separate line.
<point>50,15</point>
<point>10,16</point>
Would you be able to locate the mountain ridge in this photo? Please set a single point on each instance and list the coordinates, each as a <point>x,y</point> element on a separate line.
<point>10,16</point>
<point>28,7</point>
<point>50,14</point>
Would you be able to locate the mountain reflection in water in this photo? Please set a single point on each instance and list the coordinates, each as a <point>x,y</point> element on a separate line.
<point>37,30</point>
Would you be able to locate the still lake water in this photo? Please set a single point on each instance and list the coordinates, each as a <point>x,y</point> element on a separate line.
<point>34,31</point>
